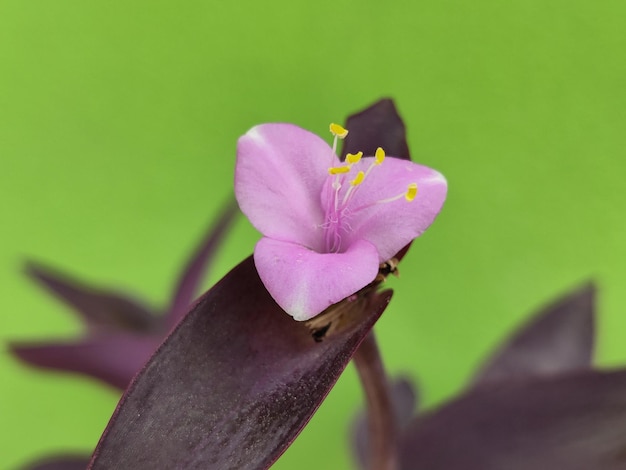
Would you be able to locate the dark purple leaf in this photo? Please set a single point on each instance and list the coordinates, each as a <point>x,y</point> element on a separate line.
<point>196,268</point>
<point>122,333</point>
<point>62,462</point>
<point>112,358</point>
<point>575,421</point>
<point>99,308</point>
<point>233,385</point>
<point>558,339</point>
<point>379,125</point>
<point>404,400</point>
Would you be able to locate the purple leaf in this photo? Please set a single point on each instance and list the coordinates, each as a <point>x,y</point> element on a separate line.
<point>195,270</point>
<point>122,334</point>
<point>112,358</point>
<point>62,462</point>
<point>558,339</point>
<point>575,421</point>
<point>99,308</point>
<point>234,383</point>
<point>379,125</point>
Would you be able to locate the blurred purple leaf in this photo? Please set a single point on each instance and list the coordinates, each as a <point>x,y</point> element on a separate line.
<point>379,125</point>
<point>61,462</point>
<point>234,383</point>
<point>98,308</point>
<point>558,339</point>
<point>121,333</point>
<point>574,421</point>
<point>536,405</point>
<point>112,358</point>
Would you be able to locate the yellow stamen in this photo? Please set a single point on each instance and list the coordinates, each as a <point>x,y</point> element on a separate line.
<point>358,179</point>
<point>409,195</point>
<point>338,131</point>
<point>411,192</point>
<point>353,158</point>
<point>380,156</point>
<point>336,170</point>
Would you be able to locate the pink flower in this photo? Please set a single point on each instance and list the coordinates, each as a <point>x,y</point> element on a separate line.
<point>327,224</point>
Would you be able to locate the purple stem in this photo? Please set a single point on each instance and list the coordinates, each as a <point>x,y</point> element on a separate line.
<point>380,416</point>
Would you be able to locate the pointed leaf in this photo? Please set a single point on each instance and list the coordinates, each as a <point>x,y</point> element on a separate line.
<point>233,384</point>
<point>197,266</point>
<point>99,308</point>
<point>569,422</point>
<point>558,339</point>
<point>112,358</point>
<point>379,125</point>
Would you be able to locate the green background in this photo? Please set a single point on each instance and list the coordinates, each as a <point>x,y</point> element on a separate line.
<point>118,124</point>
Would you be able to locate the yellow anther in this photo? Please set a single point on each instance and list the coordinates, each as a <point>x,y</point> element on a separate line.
<point>358,179</point>
<point>338,131</point>
<point>336,170</point>
<point>353,158</point>
<point>380,156</point>
<point>411,192</point>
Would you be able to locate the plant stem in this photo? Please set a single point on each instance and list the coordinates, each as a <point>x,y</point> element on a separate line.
<point>380,415</point>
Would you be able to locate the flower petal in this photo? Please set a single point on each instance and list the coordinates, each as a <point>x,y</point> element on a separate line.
<point>280,172</point>
<point>304,282</point>
<point>389,226</point>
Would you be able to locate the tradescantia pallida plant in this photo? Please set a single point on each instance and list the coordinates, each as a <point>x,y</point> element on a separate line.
<point>247,420</point>
<point>240,374</point>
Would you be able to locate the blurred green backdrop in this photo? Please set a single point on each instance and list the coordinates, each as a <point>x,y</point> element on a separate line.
<point>118,123</point>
